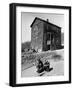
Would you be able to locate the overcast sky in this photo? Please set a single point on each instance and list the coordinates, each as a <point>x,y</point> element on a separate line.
<point>28,17</point>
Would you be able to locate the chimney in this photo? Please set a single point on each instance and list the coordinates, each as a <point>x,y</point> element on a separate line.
<point>47,20</point>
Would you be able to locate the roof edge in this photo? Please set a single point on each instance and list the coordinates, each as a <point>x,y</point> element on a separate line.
<point>43,21</point>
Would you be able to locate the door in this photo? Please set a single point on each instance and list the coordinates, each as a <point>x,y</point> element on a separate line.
<point>48,40</point>
<point>52,42</point>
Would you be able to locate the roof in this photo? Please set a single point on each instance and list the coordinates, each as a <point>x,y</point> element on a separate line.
<point>43,21</point>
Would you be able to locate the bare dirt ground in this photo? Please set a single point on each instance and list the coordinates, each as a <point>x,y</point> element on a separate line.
<point>58,69</point>
<point>57,65</point>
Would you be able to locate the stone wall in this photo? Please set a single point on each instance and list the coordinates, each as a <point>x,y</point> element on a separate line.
<point>37,35</point>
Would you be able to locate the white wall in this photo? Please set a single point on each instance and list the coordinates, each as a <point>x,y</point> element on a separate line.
<point>4,44</point>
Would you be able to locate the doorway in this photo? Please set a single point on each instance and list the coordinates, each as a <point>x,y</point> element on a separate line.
<point>48,40</point>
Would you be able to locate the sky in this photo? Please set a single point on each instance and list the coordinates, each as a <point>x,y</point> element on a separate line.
<point>28,17</point>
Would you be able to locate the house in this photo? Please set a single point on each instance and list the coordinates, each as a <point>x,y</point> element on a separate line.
<point>45,35</point>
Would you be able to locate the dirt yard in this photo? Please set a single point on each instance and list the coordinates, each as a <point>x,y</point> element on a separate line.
<point>58,69</point>
<point>56,59</point>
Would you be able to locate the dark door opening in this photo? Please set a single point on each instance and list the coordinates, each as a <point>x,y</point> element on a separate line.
<point>48,47</point>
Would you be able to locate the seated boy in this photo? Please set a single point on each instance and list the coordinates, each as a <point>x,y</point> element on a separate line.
<point>46,65</point>
<point>40,66</point>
